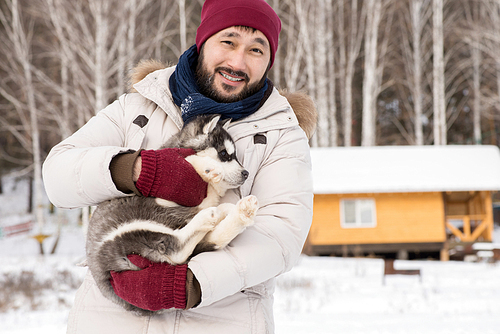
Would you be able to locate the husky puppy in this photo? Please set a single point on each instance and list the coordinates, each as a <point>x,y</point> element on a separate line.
<point>163,231</point>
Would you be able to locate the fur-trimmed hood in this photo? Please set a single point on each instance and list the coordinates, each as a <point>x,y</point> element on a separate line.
<point>301,103</point>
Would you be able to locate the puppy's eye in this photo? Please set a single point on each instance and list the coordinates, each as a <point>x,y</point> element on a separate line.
<point>224,156</point>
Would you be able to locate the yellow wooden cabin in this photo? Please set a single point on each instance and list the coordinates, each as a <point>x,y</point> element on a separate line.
<point>401,199</point>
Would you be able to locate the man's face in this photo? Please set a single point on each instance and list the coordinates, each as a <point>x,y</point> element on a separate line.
<point>233,64</point>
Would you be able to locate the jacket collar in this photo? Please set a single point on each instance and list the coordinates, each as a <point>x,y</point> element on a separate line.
<point>154,87</point>
<point>275,113</point>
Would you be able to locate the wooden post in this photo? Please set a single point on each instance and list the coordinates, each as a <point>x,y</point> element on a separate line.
<point>444,254</point>
<point>488,204</point>
<point>40,238</point>
<point>466,220</point>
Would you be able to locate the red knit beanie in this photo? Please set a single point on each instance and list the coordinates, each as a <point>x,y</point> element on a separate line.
<point>217,15</point>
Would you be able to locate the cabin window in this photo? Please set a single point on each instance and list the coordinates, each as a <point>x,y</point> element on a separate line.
<point>358,213</point>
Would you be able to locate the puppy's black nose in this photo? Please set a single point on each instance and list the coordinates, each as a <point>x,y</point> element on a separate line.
<point>245,174</point>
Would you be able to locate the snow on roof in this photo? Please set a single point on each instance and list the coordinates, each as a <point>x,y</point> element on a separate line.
<point>387,169</point>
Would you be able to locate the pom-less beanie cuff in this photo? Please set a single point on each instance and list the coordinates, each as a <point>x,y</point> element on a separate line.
<point>218,15</point>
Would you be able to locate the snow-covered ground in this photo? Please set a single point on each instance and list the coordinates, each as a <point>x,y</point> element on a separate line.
<point>319,296</point>
<point>333,295</point>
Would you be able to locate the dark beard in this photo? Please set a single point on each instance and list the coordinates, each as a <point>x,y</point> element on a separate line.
<point>205,82</point>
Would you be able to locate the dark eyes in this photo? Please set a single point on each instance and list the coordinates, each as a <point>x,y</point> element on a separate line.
<point>224,156</point>
<point>256,50</point>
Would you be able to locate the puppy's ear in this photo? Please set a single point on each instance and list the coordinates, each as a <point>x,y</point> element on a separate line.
<point>211,124</point>
<point>225,123</point>
<point>190,129</point>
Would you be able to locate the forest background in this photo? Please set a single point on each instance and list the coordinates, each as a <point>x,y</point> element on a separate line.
<point>381,72</point>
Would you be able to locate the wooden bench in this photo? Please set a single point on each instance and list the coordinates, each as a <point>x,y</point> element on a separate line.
<point>8,231</point>
<point>389,270</point>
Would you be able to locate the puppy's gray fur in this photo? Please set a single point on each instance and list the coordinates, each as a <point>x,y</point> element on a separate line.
<point>163,231</point>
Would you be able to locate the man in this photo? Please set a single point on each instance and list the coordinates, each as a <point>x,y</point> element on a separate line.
<point>116,153</point>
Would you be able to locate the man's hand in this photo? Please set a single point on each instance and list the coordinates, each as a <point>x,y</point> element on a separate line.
<point>166,174</point>
<point>157,286</point>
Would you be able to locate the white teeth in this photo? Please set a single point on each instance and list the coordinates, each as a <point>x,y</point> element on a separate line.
<point>230,78</point>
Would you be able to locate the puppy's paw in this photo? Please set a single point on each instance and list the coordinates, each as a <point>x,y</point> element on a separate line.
<point>123,264</point>
<point>212,174</point>
<point>206,167</point>
<point>210,217</point>
<point>247,208</point>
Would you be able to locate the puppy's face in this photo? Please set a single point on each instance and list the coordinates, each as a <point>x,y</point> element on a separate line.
<point>223,158</point>
<point>209,138</point>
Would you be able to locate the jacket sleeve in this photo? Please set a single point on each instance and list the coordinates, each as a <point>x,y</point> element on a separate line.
<point>283,186</point>
<point>76,171</point>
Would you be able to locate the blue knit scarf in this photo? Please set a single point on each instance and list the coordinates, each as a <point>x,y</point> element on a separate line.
<point>192,103</point>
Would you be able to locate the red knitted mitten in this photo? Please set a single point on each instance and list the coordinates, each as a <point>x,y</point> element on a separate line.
<point>157,286</point>
<point>166,174</point>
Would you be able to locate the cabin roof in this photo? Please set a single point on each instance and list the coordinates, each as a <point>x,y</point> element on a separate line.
<point>398,169</point>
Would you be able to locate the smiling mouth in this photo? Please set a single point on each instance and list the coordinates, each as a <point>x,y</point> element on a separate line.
<point>231,78</point>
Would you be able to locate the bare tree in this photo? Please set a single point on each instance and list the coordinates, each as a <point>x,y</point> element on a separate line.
<point>277,68</point>
<point>351,22</point>
<point>415,55</point>
<point>293,43</point>
<point>319,52</point>
<point>62,116</point>
<point>475,13</point>
<point>374,63</point>
<point>82,52</point>
<point>182,24</point>
<point>331,73</point>
<point>438,89</point>
<point>486,31</point>
<point>305,16</point>
<point>18,40</point>
<point>374,8</point>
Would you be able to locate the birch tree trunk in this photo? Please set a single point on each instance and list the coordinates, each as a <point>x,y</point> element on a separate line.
<point>475,14</point>
<point>415,54</point>
<point>438,90</point>
<point>368,133</point>
<point>294,52</point>
<point>331,77</point>
<point>277,60</point>
<point>100,9</point>
<point>320,60</point>
<point>306,16</point>
<point>350,39</point>
<point>476,73</point>
<point>133,12</point>
<point>64,54</point>
<point>417,24</point>
<point>182,25</point>
<point>23,52</point>
<point>342,60</point>
<point>128,10</point>
<point>483,23</point>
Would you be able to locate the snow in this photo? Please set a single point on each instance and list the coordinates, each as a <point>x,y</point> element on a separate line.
<point>383,169</point>
<point>320,295</point>
<point>335,295</point>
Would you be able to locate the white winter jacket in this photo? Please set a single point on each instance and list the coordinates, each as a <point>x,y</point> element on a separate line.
<point>237,282</point>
